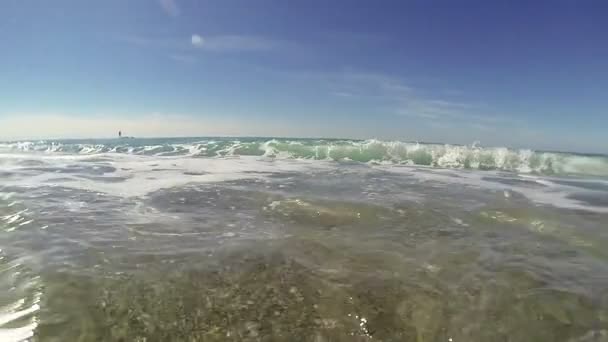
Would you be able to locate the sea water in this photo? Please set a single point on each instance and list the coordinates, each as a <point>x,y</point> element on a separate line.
<point>251,239</point>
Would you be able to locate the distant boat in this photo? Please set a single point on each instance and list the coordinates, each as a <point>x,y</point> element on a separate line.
<point>121,137</point>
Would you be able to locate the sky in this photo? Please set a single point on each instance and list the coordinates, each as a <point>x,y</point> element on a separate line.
<point>523,74</point>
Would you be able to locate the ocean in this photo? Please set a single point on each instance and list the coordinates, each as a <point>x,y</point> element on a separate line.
<point>260,239</point>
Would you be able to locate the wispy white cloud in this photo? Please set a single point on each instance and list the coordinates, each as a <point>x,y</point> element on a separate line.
<point>158,43</point>
<point>394,95</point>
<point>238,43</point>
<point>170,7</point>
<point>182,58</point>
<point>214,43</point>
<point>379,93</point>
<point>342,94</point>
<point>417,106</point>
<point>370,85</point>
<point>197,41</point>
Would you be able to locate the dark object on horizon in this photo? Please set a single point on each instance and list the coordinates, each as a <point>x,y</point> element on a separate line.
<point>121,137</point>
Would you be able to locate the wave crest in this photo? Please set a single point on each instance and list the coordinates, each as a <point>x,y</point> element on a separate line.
<point>369,151</point>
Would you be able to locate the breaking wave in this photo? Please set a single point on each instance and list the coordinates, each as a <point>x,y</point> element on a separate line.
<point>369,151</point>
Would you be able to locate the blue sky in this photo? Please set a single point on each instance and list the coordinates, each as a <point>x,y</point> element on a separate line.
<point>516,73</point>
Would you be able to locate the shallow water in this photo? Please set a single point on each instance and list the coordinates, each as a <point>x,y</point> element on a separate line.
<point>126,247</point>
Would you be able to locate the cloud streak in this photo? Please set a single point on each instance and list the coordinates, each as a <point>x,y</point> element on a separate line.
<point>169,7</point>
<point>382,94</point>
<point>394,95</point>
<point>238,43</point>
<point>188,59</point>
<point>197,42</point>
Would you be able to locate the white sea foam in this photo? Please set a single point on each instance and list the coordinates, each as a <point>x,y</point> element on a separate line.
<point>376,151</point>
<point>143,174</point>
<point>552,194</point>
<point>18,319</point>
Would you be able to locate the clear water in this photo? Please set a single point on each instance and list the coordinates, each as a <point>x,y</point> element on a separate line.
<point>141,240</point>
